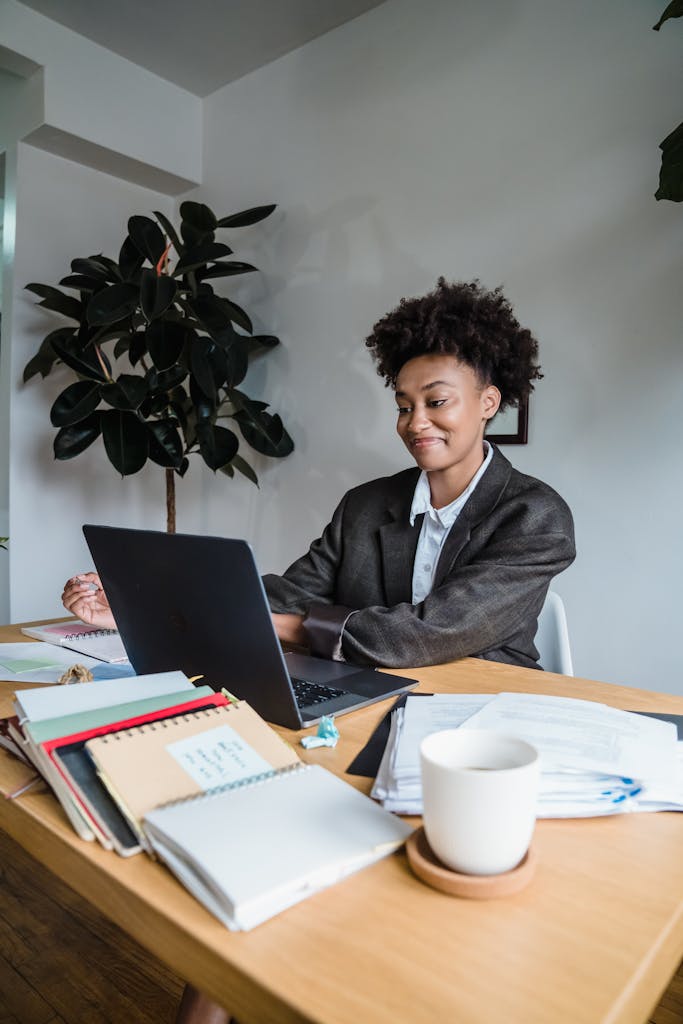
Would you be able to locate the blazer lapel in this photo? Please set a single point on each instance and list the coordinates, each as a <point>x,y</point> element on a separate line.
<point>481,503</point>
<point>398,543</point>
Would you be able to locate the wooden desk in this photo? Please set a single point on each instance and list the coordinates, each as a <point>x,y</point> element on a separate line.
<point>595,938</point>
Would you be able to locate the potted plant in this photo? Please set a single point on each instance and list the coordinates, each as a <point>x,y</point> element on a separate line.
<point>185,352</point>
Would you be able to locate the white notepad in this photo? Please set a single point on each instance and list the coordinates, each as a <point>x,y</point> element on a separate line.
<point>250,850</point>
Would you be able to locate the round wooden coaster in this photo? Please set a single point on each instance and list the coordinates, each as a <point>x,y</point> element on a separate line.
<point>427,866</point>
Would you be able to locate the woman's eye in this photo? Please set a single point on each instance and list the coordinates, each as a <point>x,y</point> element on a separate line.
<point>434,403</point>
<point>402,410</point>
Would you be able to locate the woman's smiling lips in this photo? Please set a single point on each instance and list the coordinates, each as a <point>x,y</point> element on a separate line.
<point>425,442</point>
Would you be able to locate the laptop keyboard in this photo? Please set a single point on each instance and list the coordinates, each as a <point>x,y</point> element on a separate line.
<point>307,693</point>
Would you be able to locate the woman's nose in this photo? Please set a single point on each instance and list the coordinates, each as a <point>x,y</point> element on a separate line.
<point>418,420</point>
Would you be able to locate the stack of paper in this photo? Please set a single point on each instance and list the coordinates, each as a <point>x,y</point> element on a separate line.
<point>595,759</point>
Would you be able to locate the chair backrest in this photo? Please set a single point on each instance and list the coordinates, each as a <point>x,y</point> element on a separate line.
<point>552,636</point>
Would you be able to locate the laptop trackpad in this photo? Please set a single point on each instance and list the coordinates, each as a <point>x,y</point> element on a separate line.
<point>320,670</point>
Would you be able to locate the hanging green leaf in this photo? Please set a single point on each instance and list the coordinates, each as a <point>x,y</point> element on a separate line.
<point>71,441</point>
<point>673,10</point>
<point>94,266</point>
<point>125,440</point>
<point>264,432</point>
<point>166,380</point>
<point>83,362</point>
<point>46,357</point>
<point>247,217</point>
<point>130,260</point>
<point>156,293</point>
<point>230,269</point>
<point>209,252</point>
<point>671,171</point>
<point>201,366</point>
<point>165,342</point>
<point>75,403</point>
<point>57,301</point>
<point>147,237</point>
<point>165,446</point>
<point>83,283</point>
<point>199,216</point>
<point>170,231</point>
<point>217,445</point>
<point>127,392</point>
<point>112,304</point>
<point>244,468</point>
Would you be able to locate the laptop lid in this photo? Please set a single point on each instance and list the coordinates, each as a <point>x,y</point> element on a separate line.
<point>197,604</point>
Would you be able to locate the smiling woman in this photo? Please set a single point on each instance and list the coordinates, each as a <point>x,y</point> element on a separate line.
<point>453,557</point>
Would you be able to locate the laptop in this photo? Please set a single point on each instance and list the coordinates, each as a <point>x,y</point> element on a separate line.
<point>198,604</point>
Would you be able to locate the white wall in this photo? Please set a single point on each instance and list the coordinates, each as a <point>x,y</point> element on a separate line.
<point>63,211</point>
<point>516,142</point>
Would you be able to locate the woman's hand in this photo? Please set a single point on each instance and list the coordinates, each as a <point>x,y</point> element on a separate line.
<point>83,596</point>
<point>290,628</point>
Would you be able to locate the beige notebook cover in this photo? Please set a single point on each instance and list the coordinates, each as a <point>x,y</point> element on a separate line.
<point>181,757</point>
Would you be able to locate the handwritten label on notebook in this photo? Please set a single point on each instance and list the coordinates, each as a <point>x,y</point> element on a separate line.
<point>217,756</point>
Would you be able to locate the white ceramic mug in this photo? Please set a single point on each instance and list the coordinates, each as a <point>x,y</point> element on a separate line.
<point>479,792</point>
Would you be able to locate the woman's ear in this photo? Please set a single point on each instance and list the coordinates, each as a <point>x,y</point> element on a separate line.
<point>490,400</point>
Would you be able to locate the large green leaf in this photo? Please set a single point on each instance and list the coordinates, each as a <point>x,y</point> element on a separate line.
<point>209,252</point>
<point>203,407</point>
<point>261,342</point>
<point>218,313</point>
<point>130,260</point>
<point>45,357</point>
<point>202,367</point>
<point>165,341</point>
<point>147,237</point>
<point>127,392</point>
<point>165,446</point>
<point>94,266</point>
<point>671,171</point>
<point>237,359</point>
<point>125,440</point>
<point>75,403</point>
<point>112,304</point>
<point>242,466</point>
<point>264,432</point>
<point>246,217</point>
<point>156,293</point>
<point>83,361</point>
<point>673,10</point>
<point>57,301</point>
<point>170,231</point>
<point>230,269</point>
<point>198,216</point>
<point>71,441</point>
<point>217,445</point>
<point>83,283</point>
<point>166,380</point>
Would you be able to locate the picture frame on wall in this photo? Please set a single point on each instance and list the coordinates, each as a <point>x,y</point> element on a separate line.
<point>510,426</point>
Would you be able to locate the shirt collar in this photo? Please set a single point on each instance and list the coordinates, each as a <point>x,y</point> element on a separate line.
<point>446,516</point>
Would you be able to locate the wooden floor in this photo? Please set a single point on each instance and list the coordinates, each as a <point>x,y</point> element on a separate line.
<point>61,962</point>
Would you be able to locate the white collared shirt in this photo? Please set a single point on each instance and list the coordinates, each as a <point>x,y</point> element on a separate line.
<point>436,526</point>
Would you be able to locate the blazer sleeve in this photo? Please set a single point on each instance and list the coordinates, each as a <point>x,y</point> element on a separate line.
<point>489,604</point>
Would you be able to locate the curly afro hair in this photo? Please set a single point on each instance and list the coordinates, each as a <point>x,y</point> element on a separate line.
<point>467,321</point>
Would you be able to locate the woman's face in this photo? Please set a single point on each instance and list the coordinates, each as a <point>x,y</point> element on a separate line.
<point>442,413</point>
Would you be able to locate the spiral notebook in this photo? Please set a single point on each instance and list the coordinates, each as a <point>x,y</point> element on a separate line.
<point>248,851</point>
<point>104,644</point>
<point>153,764</point>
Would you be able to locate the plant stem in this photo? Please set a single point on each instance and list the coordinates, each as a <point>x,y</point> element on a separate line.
<point>170,501</point>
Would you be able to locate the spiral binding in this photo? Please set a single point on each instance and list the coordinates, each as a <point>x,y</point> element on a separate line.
<point>164,723</point>
<point>91,633</point>
<point>253,780</point>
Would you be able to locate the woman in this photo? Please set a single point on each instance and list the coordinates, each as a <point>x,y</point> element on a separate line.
<point>453,557</point>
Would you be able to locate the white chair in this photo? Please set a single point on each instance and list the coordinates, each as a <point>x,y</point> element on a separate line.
<point>552,636</point>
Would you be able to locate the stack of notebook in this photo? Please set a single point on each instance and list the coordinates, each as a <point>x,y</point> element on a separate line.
<point>200,780</point>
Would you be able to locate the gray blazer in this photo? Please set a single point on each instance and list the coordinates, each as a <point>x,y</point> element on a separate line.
<point>513,535</point>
